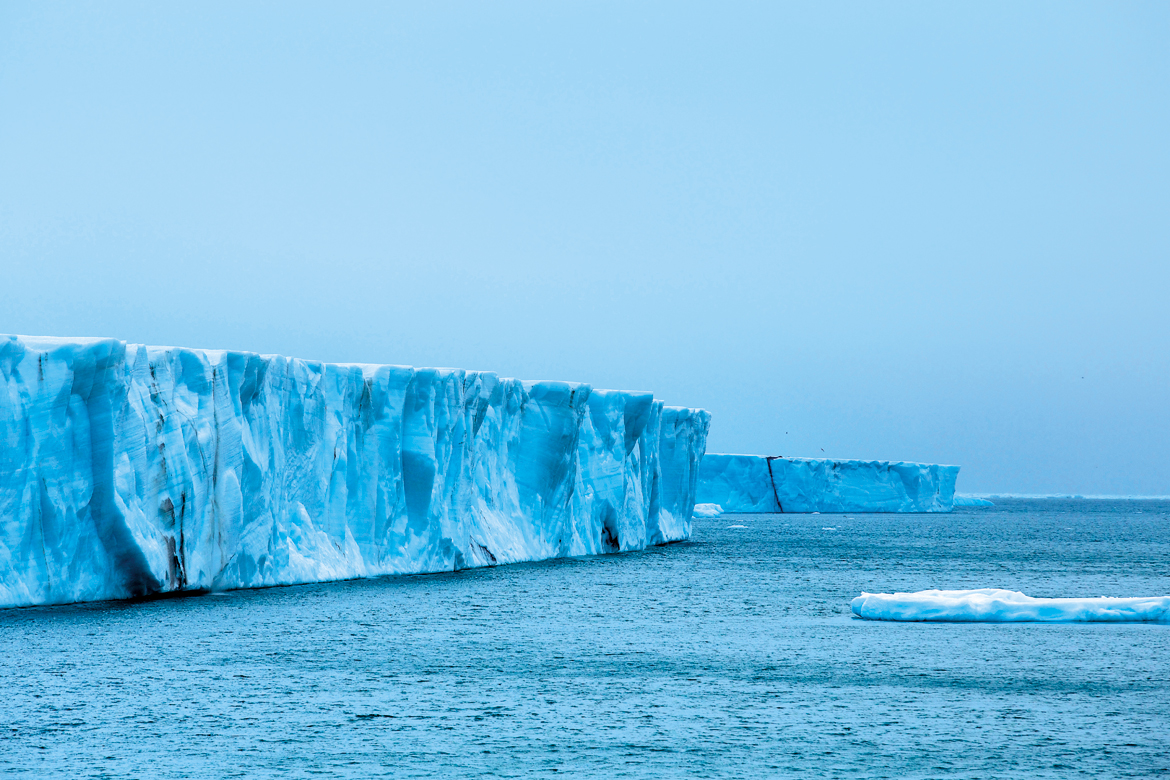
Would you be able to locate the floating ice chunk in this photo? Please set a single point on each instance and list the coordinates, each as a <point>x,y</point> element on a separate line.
<point>737,526</point>
<point>707,510</point>
<point>971,501</point>
<point>991,605</point>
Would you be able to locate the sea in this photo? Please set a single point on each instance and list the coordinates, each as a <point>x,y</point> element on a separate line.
<point>732,655</point>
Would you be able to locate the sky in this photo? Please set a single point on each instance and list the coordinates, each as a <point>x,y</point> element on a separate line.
<point>905,231</point>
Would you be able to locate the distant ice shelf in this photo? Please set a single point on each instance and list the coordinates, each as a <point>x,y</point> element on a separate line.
<point>754,483</point>
<point>1007,606</point>
<point>972,501</point>
<point>128,470</point>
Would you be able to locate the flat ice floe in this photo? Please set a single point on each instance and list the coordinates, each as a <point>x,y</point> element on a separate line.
<point>991,605</point>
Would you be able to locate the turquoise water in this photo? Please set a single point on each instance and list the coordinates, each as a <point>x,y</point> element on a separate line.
<point>733,655</point>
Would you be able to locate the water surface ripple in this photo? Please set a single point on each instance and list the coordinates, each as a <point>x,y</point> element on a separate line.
<point>733,655</point>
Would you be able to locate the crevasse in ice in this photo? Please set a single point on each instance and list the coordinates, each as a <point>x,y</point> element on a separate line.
<point>128,470</point>
<point>754,483</point>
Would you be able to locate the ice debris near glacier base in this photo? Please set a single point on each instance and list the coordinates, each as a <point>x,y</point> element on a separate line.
<point>990,605</point>
<point>128,470</point>
<point>759,484</point>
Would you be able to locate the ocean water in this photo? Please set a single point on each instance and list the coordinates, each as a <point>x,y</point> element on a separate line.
<point>733,655</point>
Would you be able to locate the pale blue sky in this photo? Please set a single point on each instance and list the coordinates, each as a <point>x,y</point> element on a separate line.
<point>924,231</point>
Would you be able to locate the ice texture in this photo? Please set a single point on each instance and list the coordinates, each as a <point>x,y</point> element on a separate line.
<point>971,501</point>
<point>990,605</point>
<point>754,483</point>
<point>708,510</point>
<point>128,470</point>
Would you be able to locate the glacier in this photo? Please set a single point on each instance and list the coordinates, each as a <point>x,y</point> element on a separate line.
<point>761,484</point>
<point>990,605</point>
<point>128,470</point>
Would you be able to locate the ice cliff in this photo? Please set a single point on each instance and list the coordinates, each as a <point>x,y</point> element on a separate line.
<point>754,483</point>
<point>128,470</point>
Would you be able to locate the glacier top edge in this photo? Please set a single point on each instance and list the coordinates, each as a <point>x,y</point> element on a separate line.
<point>213,356</point>
<point>829,459</point>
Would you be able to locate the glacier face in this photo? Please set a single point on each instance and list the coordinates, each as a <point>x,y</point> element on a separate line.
<point>994,605</point>
<point>754,483</point>
<point>129,470</point>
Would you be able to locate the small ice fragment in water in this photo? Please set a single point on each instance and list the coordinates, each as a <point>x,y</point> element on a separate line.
<point>737,526</point>
<point>707,510</point>
<point>971,501</point>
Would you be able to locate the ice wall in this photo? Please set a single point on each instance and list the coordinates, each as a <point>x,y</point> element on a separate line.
<point>753,483</point>
<point>128,470</point>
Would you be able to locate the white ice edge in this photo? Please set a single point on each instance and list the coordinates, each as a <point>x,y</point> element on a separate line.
<point>1071,496</point>
<point>993,605</point>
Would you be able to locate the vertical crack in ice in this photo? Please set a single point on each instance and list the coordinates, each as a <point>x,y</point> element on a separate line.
<point>772,479</point>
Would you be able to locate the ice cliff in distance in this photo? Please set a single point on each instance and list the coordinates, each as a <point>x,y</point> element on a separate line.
<point>754,483</point>
<point>128,470</point>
